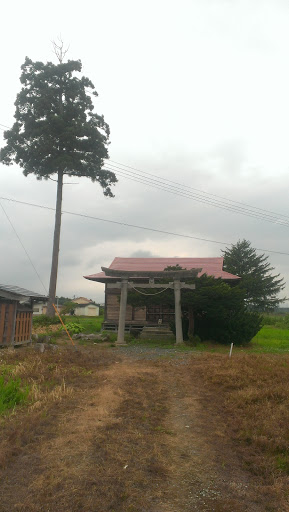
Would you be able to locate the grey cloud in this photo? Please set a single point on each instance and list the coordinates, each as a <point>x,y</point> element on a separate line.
<point>143,254</point>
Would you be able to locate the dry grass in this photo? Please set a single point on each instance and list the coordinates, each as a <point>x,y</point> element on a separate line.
<point>91,444</point>
<point>51,377</point>
<point>106,433</point>
<point>251,393</point>
<point>119,463</point>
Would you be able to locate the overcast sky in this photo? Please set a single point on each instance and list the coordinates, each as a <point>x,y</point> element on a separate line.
<point>194,91</point>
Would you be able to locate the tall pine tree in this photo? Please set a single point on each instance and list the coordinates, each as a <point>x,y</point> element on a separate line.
<point>57,133</point>
<point>260,284</point>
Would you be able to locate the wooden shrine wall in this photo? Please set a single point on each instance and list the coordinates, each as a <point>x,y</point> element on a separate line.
<point>133,314</point>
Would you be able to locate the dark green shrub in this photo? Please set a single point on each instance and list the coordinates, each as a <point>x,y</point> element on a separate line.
<point>237,327</point>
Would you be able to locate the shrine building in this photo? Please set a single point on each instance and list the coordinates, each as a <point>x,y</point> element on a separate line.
<point>140,273</point>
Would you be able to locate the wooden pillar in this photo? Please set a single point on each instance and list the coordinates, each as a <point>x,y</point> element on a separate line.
<point>178,312</point>
<point>122,313</point>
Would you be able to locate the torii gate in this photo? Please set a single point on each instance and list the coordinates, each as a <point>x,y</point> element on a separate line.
<point>125,282</point>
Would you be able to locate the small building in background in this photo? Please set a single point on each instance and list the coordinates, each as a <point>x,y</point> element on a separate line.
<point>85,307</point>
<point>16,309</point>
<point>89,309</point>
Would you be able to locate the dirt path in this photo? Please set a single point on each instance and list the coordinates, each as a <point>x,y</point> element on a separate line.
<point>146,439</point>
<point>206,474</point>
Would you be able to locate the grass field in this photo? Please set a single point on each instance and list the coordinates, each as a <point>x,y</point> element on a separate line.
<point>91,324</point>
<point>272,338</point>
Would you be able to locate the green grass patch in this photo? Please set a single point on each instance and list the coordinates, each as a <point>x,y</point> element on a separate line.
<point>90,324</point>
<point>12,393</point>
<point>271,339</point>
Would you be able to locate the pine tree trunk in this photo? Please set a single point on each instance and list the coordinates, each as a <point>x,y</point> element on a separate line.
<point>56,242</point>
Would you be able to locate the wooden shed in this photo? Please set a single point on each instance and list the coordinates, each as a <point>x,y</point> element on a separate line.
<point>16,308</point>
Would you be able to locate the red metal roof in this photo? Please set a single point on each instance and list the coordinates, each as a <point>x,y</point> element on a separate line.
<point>211,266</point>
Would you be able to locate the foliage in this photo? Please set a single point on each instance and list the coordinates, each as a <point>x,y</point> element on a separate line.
<point>68,306</point>
<point>56,129</point>
<point>238,327</point>
<point>73,327</point>
<point>62,300</point>
<point>43,320</point>
<point>260,285</point>
<point>11,393</point>
<point>174,267</point>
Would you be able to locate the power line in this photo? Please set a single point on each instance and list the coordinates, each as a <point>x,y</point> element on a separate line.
<point>23,247</point>
<point>135,226</point>
<point>182,193</point>
<point>197,190</point>
<point>254,212</point>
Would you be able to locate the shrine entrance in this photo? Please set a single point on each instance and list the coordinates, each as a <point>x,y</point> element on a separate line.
<point>160,312</point>
<point>126,281</point>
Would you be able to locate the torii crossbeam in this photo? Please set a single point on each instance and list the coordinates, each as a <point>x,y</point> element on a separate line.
<point>126,281</point>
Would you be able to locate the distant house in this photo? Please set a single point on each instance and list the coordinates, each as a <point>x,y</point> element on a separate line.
<point>89,309</point>
<point>16,306</point>
<point>40,308</point>
<point>151,315</point>
<point>85,307</point>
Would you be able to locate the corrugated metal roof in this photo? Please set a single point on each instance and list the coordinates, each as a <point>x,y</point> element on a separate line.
<point>21,292</point>
<point>211,266</point>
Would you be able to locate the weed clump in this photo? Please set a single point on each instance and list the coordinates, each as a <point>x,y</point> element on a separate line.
<point>11,393</point>
<point>73,328</point>
<point>43,320</point>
